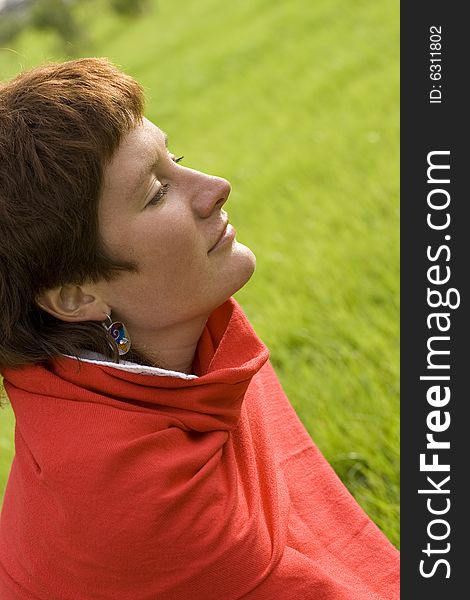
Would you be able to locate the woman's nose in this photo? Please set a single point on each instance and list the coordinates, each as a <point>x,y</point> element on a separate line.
<point>211,195</point>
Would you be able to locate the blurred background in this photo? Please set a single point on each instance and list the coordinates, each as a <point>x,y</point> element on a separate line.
<point>297,104</point>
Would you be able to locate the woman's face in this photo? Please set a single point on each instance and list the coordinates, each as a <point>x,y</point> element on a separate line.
<point>166,218</point>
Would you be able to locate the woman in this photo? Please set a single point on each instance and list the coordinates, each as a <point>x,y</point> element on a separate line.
<point>157,456</point>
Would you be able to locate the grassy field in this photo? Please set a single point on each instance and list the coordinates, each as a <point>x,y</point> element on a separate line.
<point>296,103</point>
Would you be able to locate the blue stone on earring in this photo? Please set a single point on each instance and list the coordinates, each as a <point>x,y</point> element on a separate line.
<point>120,335</point>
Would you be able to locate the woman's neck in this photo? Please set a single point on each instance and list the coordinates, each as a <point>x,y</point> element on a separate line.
<point>172,349</point>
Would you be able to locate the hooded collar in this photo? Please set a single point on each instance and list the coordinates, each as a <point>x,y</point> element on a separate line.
<point>95,358</point>
<point>228,355</point>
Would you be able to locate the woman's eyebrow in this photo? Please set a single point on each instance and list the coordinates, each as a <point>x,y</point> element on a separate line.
<point>149,167</point>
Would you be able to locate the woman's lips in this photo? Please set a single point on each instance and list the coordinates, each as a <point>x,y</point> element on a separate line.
<point>228,235</point>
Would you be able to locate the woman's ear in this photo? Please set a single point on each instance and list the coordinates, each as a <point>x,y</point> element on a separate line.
<point>71,303</point>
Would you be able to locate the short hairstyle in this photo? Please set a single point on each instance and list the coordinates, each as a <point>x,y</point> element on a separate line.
<point>59,125</point>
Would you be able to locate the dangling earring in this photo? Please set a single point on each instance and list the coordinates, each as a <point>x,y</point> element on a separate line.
<point>117,330</point>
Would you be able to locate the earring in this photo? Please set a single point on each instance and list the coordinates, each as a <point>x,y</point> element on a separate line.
<point>117,330</point>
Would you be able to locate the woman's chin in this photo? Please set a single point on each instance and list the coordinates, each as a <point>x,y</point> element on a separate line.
<point>247,260</point>
<point>245,268</point>
<point>237,270</point>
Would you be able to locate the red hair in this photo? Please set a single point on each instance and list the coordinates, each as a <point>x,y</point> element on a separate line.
<point>59,125</point>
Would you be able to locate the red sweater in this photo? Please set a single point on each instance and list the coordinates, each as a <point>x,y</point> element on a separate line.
<point>130,486</point>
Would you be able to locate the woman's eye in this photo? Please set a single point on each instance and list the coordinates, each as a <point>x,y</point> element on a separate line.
<point>159,195</point>
<point>177,160</point>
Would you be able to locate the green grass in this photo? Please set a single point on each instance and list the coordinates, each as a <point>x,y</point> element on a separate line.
<point>296,103</point>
